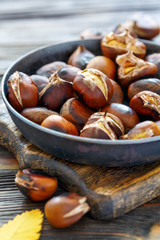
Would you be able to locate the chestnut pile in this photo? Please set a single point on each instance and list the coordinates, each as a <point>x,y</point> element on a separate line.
<point>84,97</point>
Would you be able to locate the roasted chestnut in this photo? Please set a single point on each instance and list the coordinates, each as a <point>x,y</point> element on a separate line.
<point>150,84</point>
<point>55,93</point>
<point>127,115</point>
<point>68,73</point>
<point>103,126</point>
<point>93,87</point>
<point>48,69</point>
<point>118,95</point>
<point>35,185</point>
<point>146,103</point>
<point>154,58</point>
<point>143,130</point>
<point>80,57</point>
<point>145,26</point>
<point>60,124</point>
<point>76,112</point>
<point>22,91</point>
<point>37,114</point>
<point>65,210</point>
<point>103,64</point>
<point>40,81</point>
<point>113,45</point>
<point>132,68</point>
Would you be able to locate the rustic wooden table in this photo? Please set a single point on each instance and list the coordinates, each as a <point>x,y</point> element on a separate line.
<point>25,25</point>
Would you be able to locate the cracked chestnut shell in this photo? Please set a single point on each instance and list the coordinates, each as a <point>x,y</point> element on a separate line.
<point>76,112</point>
<point>113,45</point>
<point>55,93</point>
<point>103,126</point>
<point>22,91</point>
<point>35,185</point>
<point>143,130</point>
<point>80,57</point>
<point>93,88</point>
<point>132,68</point>
<point>126,114</point>
<point>65,210</point>
<point>146,103</point>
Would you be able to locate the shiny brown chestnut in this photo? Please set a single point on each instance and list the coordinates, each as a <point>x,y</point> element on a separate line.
<point>60,124</point>
<point>126,114</point>
<point>113,45</point>
<point>80,57</point>
<point>35,185</point>
<point>143,130</point>
<point>93,88</point>
<point>37,114</point>
<point>103,64</point>
<point>48,69</point>
<point>118,95</point>
<point>22,91</point>
<point>76,112</point>
<point>154,58</point>
<point>40,81</point>
<point>92,33</point>
<point>132,68</point>
<point>103,126</point>
<point>68,73</point>
<point>146,103</point>
<point>55,93</point>
<point>149,84</point>
<point>65,210</point>
<point>145,26</point>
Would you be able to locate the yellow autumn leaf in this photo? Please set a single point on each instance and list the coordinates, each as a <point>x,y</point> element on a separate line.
<point>26,226</point>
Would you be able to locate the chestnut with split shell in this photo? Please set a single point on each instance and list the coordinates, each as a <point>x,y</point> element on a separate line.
<point>22,91</point>
<point>55,93</point>
<point>113,45</point>
<point>103,126</point>
<point>93,88</point>
<point>35,185</point>
<point>132,68</point>
<point>143,130</point>
<point>146,103</point>
<point>65,210</point>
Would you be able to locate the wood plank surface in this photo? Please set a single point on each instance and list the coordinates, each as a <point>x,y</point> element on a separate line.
<point>26,25</point>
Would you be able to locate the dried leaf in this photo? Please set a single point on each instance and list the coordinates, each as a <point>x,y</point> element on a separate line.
<point>26,226</point>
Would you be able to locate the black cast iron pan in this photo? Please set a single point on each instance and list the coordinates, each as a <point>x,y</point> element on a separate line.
<point>72,148</point>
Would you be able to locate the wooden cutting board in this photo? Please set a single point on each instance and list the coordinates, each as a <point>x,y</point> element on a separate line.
<point>110,192</point>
